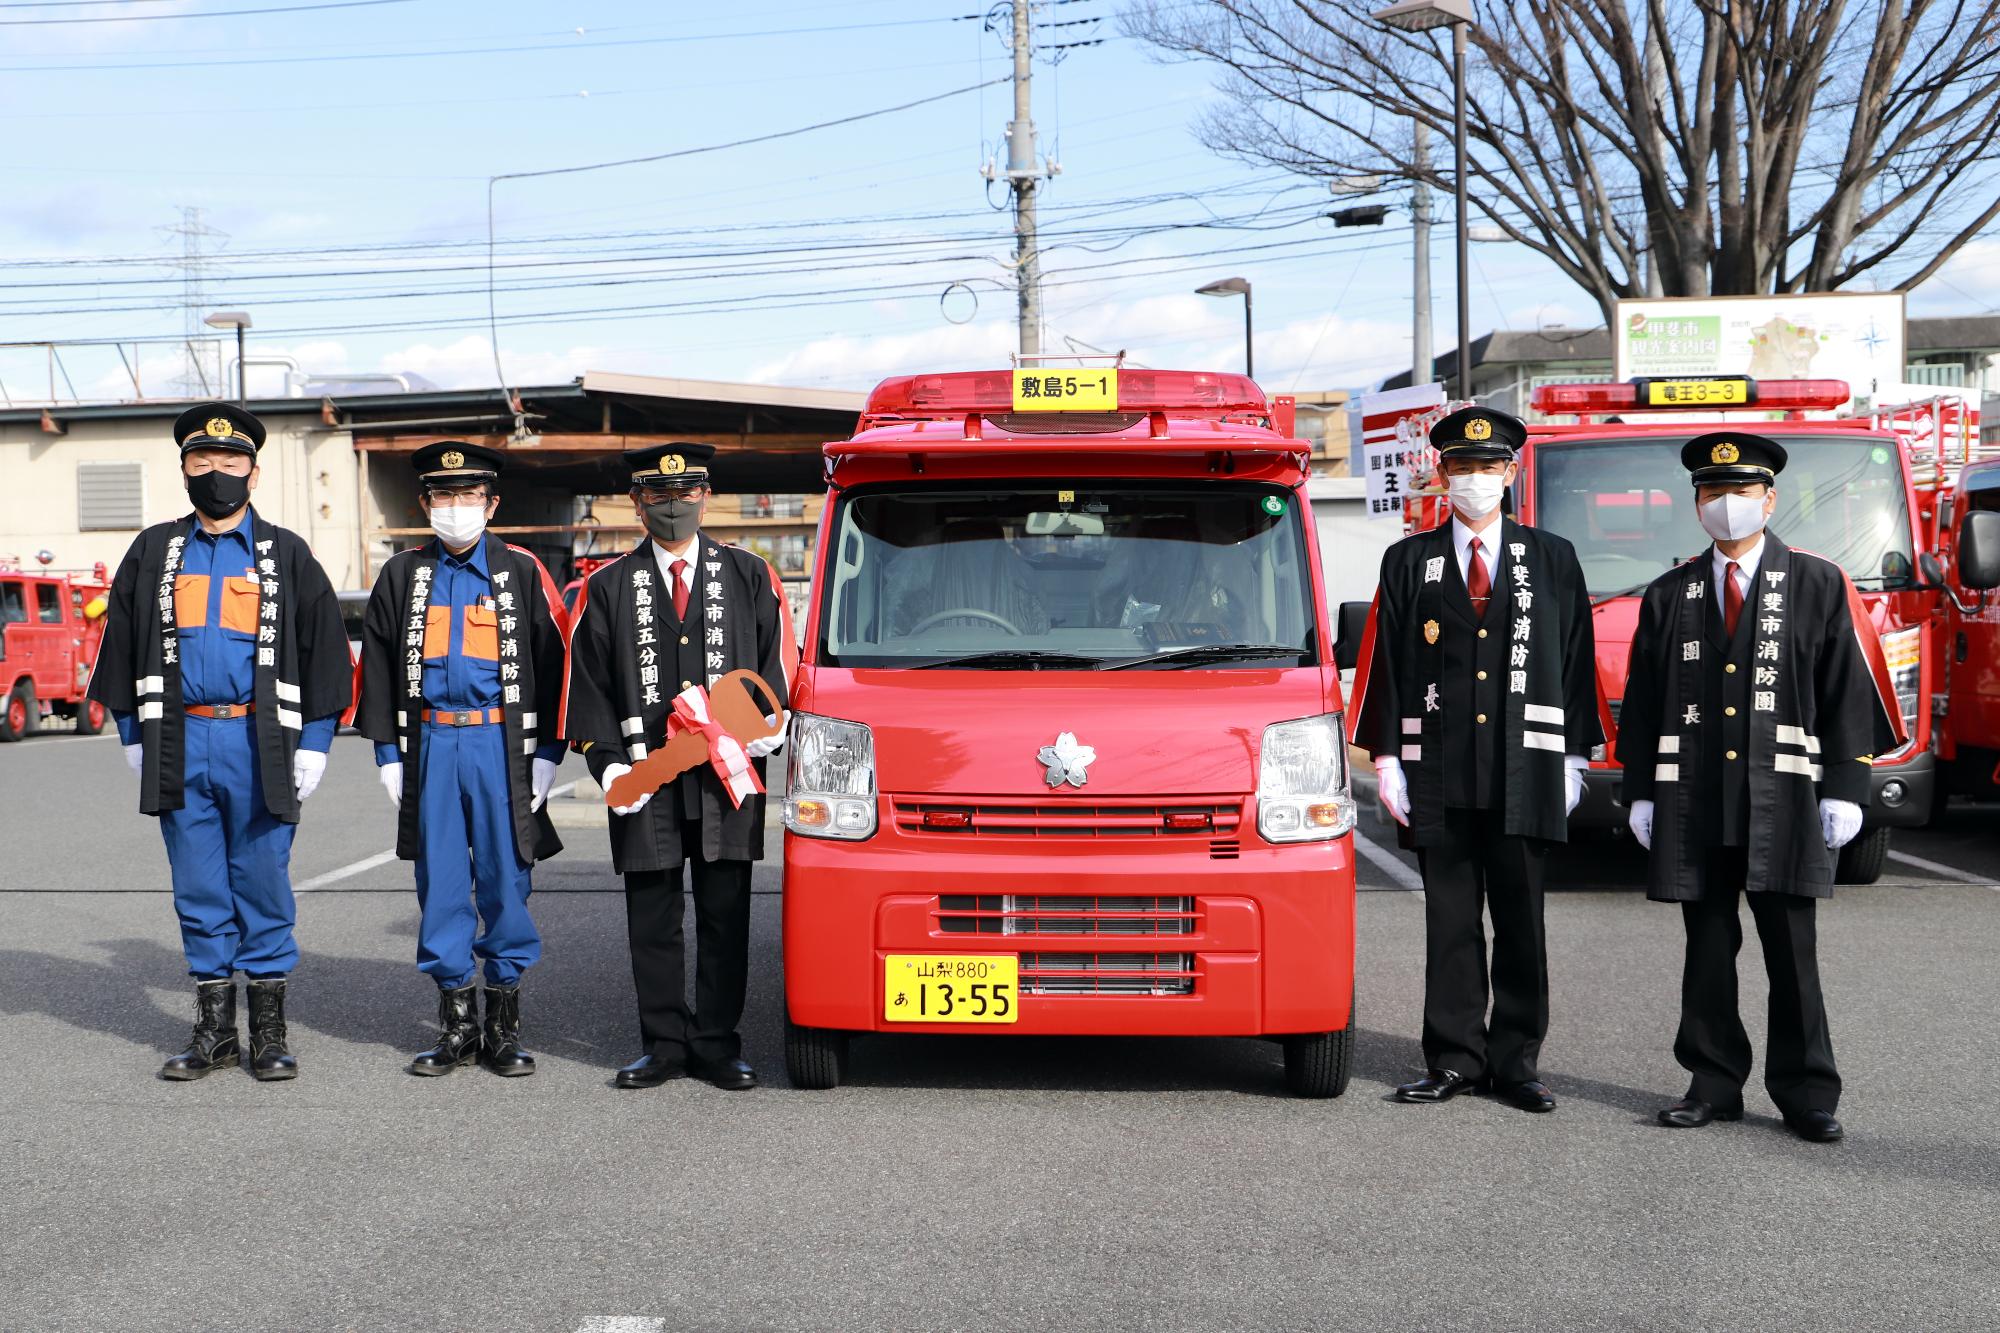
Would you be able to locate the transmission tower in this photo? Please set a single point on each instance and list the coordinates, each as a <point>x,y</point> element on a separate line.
<point>195,262</point>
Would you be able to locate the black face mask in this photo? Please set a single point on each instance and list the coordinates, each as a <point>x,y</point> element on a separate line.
<point>671,521</point>
<point>219,494</point>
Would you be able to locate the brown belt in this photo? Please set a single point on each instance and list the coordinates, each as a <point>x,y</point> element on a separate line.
<point>475,718</point>
<point>223,711</point>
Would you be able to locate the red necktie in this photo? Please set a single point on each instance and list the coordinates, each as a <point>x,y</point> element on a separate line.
<point>678,568</point>
<point>1478,583</point>
<point>1732,600</point>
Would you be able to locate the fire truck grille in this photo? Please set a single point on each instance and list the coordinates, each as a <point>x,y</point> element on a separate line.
<point>1042,914</point>
<point>1209,817</point>
<point>1157,974</point>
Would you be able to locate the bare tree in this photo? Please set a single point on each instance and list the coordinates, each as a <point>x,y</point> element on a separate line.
<point>1649,147</point>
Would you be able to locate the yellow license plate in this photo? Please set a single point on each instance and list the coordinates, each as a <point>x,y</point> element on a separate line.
<point>1697,393</point>
<point>951,988</point>
<point>1065,390</point>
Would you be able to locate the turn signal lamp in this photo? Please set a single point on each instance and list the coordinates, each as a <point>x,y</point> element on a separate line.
<point>983,391</point>
<point>1706,393</point>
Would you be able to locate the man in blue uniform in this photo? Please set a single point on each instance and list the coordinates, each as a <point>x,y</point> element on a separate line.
<point>461,680</point>
<point>225,666</point>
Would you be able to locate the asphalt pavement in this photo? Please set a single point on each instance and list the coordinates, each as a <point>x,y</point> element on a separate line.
<point>993,1183</point>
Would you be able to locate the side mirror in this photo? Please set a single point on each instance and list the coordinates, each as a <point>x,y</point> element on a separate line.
<point>1897,572</point>
<point>1932,569</point>
<point>1351,624</point>
<point>1979,550</point>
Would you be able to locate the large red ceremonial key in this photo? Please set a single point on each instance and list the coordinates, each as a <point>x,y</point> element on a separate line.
<point>736,709</point>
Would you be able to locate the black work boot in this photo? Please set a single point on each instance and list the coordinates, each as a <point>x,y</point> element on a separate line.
<point>458,1044</point>
<point>214,1045</point>
<point>503,1054</point>
<point>269,1058</point>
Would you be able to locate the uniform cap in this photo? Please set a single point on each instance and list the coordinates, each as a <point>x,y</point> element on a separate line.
<point>457,460</point>
<point>1478,432</point>
<point>219,426</point>
<point>1730,458</point>
<point>680,464</point>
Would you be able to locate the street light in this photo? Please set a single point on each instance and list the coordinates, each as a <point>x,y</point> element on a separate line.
<point>238,320</point>
<point>1235,287</point>
<point>1421,16</point>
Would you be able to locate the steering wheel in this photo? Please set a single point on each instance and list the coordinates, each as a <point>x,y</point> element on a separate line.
<point>959,612</point>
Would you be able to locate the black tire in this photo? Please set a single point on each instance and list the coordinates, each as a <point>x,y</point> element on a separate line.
<point>90,717</point>
<point>1317,1064</point>
<point>17,716</point>
<point>815,1058</point>
<point>1861,861</point>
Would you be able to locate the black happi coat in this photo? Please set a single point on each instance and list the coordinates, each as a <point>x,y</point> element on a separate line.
<point>302,668</point>
<point>1542,616</point>
<point>1816,716</point>
<point>625,671</point>
<point>531,642</point>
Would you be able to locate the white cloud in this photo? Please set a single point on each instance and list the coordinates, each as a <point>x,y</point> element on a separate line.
<point>1964,286</point>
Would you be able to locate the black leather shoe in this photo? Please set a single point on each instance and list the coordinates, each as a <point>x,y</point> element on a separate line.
<point>214,1044</point>
<point>1439,1085</point>
<point>1693,1113</point>
<point>649,1071</point>
<point>1816,1127</point>
<point>500,1039</point>
<point>729,1075</point>
<point>458,1043</point>
<point>270,1058</point>
<point>1531,1095</point>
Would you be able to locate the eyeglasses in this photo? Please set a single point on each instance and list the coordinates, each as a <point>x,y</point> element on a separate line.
<point>661,494</point>
<point>460,498</point>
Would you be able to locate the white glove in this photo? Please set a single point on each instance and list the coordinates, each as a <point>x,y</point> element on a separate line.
<point>1640,821</point>
<point>541,777</point>
<point>392,782</point>
<point>1573,779</point>
<point>764,745</point>
<point>613,772</point>
<point>308,767</point>
<point>135,757</point>
<point>1839,821</point>
<point>1393,789</point>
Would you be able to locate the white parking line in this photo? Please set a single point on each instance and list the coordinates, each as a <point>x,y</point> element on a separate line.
<point>366,863</point>
<point>621,1323</point>
<point>1389,864</point>
<point>1939,868</point>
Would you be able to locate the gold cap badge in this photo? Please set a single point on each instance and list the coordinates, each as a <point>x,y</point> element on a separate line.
<point>673,464</point>
<point>1724,453</point>
<point>452,458</point>
<point>1479,428</point>
<point>220,428</point>
<point>1430,631</point>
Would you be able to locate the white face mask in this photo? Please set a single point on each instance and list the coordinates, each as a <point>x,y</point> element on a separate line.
<point>458,525</point>
<point>1731,518</point>
<point>1476,494</point>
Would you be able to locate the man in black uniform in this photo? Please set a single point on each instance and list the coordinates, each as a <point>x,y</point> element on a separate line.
<point>1749,721</point>
<point>1480,708</point>
<point>654,629</point>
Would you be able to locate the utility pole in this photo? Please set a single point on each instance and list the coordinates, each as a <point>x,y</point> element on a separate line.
<point>1021,177</point>
<point>1420,229</point>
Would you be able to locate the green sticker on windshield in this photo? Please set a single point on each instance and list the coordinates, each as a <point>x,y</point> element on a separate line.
<point>1273,505</point>
<point>1878,455</point>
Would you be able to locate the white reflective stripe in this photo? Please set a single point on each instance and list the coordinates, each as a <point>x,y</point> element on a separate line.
<point>149,711</point>
<point>152,685</point>
<point>633,726</point>
<point>288,692</point>
<point>288,718</point>
<point>637,750</point>
<point>1796,763</point>
<point>529,720</point>
<point>402,718</point>
<point>1413,726</point>
<point>402,745</point>
<point>1547,713</point>
<point>1670,745</point>
<point>1666,772</point>
<point>528,745</point>
<point>1789,735</point>
<point>1544,740</point>
<point>1413,752</point>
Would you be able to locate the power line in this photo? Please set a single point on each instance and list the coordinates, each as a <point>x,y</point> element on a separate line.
<point>204,14</point>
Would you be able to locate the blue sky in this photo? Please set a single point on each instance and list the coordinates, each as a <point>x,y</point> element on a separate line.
<point>345,154</point>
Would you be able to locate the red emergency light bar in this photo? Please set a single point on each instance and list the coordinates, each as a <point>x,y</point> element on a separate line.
<point>1708,393</point>
<point>984,391</point>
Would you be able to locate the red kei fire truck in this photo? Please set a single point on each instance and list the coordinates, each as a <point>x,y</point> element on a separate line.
<point>1066,750</point>
<point>1853,490</point>
<point>50,623</point>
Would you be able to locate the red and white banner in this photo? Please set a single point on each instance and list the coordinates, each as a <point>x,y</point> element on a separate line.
<point>1390,431</point>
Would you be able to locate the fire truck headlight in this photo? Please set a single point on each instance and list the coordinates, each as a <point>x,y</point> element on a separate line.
<point>831,790</point>
<point>1904,651</point>
<point>1302,791</point>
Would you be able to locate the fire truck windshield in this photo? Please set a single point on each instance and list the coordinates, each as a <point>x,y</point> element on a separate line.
<point>1068,575</point>
<point>1627,506</point>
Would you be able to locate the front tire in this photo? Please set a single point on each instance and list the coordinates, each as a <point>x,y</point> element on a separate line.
<point>1317,1064</point>
<point>17,719</point>
<point>815,1058</point>
<point>1861,861</point>
<point>89,717</point>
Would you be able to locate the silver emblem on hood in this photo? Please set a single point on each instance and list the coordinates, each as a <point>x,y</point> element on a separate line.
<point>1066,760</point>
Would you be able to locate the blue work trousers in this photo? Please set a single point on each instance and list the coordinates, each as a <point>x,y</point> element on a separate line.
<point>231,858</point>
<point>469,869</point>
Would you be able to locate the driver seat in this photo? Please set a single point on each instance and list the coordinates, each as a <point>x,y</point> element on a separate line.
<point>973,567</point>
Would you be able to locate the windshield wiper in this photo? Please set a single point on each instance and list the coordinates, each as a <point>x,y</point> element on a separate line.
<point>1017,659</point>
<point>1209,652</point>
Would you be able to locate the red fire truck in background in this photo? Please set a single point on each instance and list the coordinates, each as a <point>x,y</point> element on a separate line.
<point>50,623</point>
